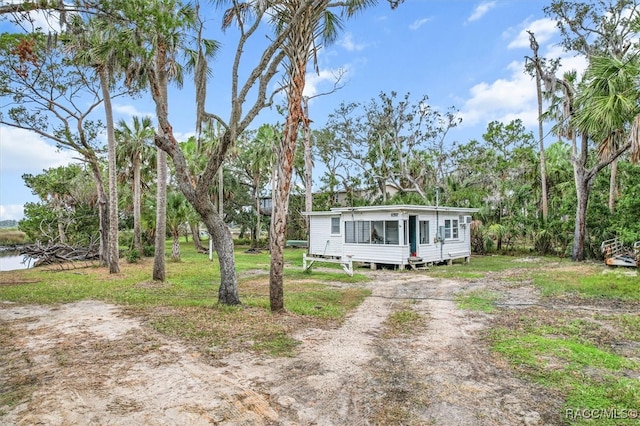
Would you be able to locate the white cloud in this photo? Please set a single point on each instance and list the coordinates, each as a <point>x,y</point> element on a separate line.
<point>22,151</point>
<point>130,110</point>
<point>481,10</point>
<point>418,23</point>
<point>48,21</point>
<point>350,45</point>
<point>11,211</point>
<point>329,76</point>
<point>543,29</point>
<point>567,62</point>
<point>183,137</point>
<point>514,97</point>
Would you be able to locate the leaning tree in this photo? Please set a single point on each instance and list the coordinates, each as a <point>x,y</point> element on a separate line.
<point>603,107</point>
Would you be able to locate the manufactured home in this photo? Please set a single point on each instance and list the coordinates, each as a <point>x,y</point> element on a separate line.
<point>399,235</point>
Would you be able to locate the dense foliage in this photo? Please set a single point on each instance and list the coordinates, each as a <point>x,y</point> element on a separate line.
<point>393,149</point>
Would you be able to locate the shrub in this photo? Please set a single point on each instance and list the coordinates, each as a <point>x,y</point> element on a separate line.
<point>148,250</point>
<point>133,256</point>
<point>543,242</point>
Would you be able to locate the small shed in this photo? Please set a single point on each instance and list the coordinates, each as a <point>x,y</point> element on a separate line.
<point>400,235</point>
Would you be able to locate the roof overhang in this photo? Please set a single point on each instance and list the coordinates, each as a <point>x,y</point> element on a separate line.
<point>393,208</point>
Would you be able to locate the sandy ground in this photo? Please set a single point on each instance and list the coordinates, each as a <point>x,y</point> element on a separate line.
<point>91,364</point>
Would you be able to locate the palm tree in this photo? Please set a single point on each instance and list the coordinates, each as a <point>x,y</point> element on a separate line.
<point>177,214</point>
<point>135,148</point>
<point>315,24</point>
<point>154,38</point>
<point>93,45</point>
<point>543,174</point>
<point>607,112</point>
<point>308,25</point>
<point>254,161</point>
<point>602,109</point>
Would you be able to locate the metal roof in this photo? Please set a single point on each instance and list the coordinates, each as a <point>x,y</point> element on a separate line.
<point>393,208</point>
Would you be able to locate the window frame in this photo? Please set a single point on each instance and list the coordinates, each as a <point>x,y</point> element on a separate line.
<point>362,232</point>
<point>451,229</point>
<point>335,230</point>
<point>423,227</point>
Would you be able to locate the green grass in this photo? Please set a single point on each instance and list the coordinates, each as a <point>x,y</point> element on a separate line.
<point>186,306</point>
<point>404,321</point>
<point>589,283</point>
<point>572,356</point>
<point>481,266</point>
<point>277,345</point>
<point>540,352</point>
<point>477,300</point>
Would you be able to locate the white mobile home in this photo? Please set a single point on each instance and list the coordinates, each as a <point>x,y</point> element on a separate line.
<point>400,235</point>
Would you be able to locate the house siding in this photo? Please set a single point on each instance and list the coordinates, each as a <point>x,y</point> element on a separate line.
<point>323,243</point>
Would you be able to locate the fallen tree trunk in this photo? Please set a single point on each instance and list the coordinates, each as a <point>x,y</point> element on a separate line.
<point>59,253</point>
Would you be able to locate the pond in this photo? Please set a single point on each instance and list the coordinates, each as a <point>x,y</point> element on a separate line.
<point>10,260</point>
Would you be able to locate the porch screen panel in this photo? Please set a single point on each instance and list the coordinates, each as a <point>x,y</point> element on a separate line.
<point>363,231</point>
<point>392,234</point>
<point>406,233</point>
<point>377,232</point>
<point>350,232</point>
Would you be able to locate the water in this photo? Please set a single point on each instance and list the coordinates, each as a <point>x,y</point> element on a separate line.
<point>11,260</point>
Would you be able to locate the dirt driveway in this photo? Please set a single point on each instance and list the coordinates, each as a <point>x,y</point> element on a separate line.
<point>89,363</point>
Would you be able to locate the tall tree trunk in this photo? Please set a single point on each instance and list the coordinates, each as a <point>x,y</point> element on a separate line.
<point>114,252</point>
<point>198,197</point>
<point>579,161</point>
<point>543,169</point>
<point>161,217</point>
<point>160,95</point>
<point>582,191</point>
<point>103,212</point>
<point>175,248</point>
<point>195,234</point>
<point>543,162</point>
<point>308,163</point>
<point>612,186</point>
<point>258,229</point>
<point>278,232</point>
<point>137,204</point>
<point>223,243</point>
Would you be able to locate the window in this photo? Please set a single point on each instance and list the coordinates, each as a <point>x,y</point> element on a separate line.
<point>371,232</point>
<point>377,232</point>
<point>451,229</point>
<point>392,235</point>
<point>350,232</point>
<point>335,225</point>
<point>424,232</point>
<point>363,230</point>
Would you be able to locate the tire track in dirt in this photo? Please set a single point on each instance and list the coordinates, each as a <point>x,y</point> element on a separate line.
<point>326,384</point>
<point>449,375</point>
<point>93,365</point>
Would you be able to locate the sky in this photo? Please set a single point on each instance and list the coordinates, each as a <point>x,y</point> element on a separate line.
<point>465,54</point>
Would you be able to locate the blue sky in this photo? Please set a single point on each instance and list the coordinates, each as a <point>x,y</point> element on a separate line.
<point>463,53</point>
